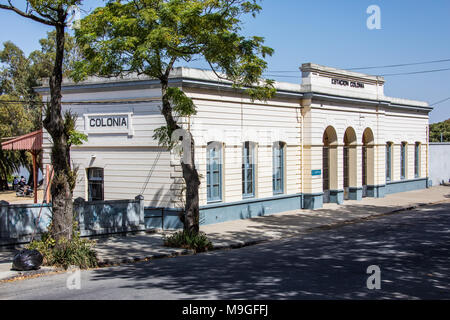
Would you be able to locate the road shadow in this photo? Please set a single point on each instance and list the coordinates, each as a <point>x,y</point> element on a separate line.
<point>411,249</point>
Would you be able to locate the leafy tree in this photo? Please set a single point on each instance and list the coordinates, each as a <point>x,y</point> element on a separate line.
<point>55,13</point>
<point>20,74</point>
<point>12,113</point>
<point>43,60</point>
<point>150,36</point>
<point>436,129</point>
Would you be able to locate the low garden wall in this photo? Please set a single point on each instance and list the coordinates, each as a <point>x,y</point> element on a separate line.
<point>19,222</point>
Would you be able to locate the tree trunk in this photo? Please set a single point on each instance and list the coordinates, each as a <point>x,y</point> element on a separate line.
<point>61,192</point>
<point>191,210</point>
<point>191,216</point>
<point>30,177</point>
<point>4,182</point>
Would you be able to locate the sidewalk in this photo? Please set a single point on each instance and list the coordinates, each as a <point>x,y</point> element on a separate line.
<point>232,234</point>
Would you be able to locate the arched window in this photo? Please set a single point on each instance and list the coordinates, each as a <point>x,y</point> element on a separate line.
<point>248,169</point>
<point>278,167</point>
<point>214,171</point>
<point>95,184</point>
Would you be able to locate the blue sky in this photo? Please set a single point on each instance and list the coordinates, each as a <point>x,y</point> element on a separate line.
<point>333,33</point>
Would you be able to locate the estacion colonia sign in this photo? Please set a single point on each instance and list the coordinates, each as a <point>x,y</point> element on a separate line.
<point>347,83</point>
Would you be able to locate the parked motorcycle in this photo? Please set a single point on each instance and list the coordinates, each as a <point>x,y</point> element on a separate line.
<point>24,191</point>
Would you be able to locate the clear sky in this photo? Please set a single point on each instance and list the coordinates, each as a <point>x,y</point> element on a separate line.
<point>333,33</point>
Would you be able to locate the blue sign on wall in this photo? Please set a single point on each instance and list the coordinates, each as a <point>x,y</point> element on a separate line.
<point>316,172</point>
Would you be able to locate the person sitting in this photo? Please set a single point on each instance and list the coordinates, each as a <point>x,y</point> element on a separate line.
<point>15,183</point>
<point>22,181</point>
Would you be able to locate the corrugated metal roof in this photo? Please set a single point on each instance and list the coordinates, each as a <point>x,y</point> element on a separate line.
<point>30,141</point>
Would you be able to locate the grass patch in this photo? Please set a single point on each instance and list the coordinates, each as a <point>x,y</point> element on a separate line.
<point>189,240</point>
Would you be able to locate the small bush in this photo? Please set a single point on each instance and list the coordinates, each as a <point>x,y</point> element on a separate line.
<point>189,240</point>
<point>77,252</point>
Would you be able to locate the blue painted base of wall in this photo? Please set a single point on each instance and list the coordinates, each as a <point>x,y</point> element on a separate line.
<point>337,196</point>
<point>162,218</point>
<point>406,185</point>
<point>378,191</point>
<point>355,193</point>
<point>250,208</point>
<point>313,201</point>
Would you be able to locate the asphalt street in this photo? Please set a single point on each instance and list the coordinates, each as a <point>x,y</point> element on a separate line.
<point>411,249</point>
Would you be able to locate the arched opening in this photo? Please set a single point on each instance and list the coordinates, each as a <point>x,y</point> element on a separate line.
<point>350,167</point>
<point>368,162</point>
<point>329,163</point>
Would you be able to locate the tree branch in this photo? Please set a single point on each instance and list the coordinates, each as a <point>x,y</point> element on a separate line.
<point>27,15</point>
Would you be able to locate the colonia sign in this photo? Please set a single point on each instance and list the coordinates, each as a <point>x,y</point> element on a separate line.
<point>108,123</point>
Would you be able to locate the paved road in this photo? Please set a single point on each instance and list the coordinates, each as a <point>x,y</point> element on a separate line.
<point>412,250</point>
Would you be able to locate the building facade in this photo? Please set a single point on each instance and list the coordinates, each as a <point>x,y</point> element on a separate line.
<point>332,138</point>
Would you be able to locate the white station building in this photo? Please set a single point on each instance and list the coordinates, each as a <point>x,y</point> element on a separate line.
<point>335,136</point>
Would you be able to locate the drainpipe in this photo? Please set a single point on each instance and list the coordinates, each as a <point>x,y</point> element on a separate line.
<point>301,152</point>
<point>428,143</point>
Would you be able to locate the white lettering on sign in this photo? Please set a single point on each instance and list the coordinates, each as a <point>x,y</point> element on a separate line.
<point>108,123</point>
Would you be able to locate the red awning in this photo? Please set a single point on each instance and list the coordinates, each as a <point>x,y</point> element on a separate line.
<point>31,141</point>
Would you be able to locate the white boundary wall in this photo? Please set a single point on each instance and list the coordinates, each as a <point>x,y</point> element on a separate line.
<point>439,162</point>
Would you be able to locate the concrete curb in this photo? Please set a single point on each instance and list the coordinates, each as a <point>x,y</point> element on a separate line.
<point>115,262</point>
<point>16,275</point>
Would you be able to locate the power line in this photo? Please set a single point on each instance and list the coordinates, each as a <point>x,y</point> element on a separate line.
<point>439,102</point>
<point>383,75</point>
<point>373,67</point>
<point>400,65</point>
<point>416,72</point>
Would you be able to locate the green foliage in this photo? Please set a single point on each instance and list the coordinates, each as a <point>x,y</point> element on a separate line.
<point>163,136</point>
<point>189,240</point>
<point>75,138</point>
<point>182,104</point>
<point>149,36</point>
<point>14,121</point>
<point>77,252</point>
<point>437,128</point>
<point>18,75</point>
<point>43,60</point>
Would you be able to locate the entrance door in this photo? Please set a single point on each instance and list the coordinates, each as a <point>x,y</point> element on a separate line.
<point>326,174</point>
<point>364,171</point>
<point>346,173</point>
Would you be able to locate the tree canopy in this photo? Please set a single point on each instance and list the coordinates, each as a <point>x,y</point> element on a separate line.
<point>436,129</point>
<point>150,36</point>
<point>20,106</point>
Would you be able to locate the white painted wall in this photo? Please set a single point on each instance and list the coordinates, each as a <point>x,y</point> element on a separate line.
<point>439,162</point>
